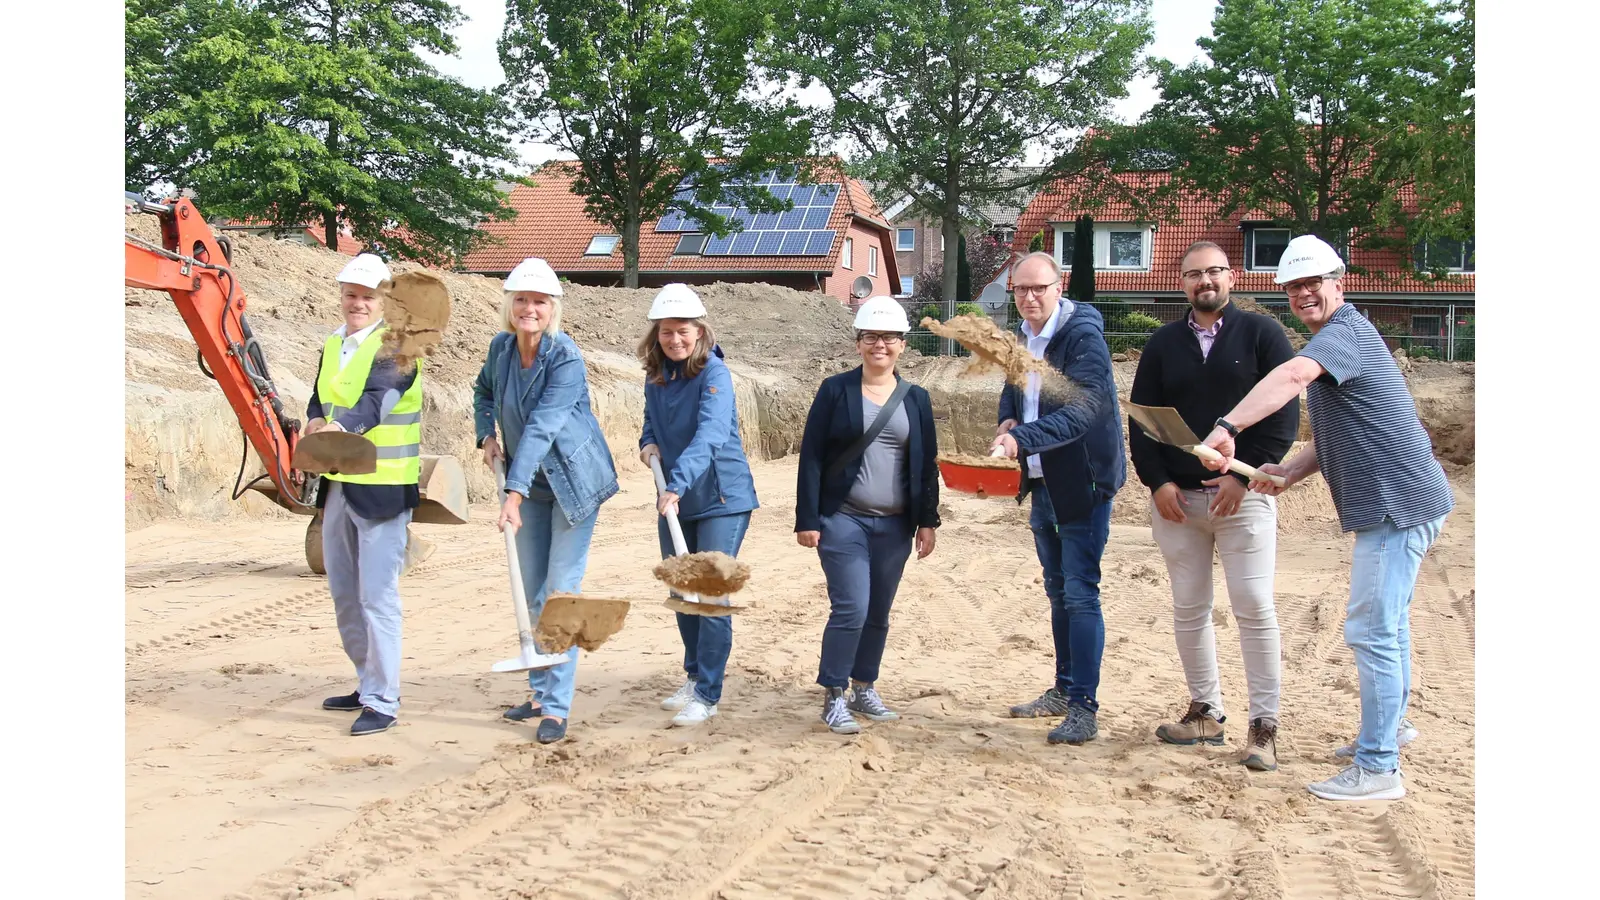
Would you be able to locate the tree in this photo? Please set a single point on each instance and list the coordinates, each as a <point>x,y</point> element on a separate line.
<point>1320,113</point>
<point>1080,283</point>
<point>945,97</point>
<point>657,100</point>
<point>985,257</point>
<point>297,111</point>
<point>963,272</point>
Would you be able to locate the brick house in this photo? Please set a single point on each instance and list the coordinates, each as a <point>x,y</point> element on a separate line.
<point>919,238</point>
<point>832,242</point>
<point>1137,261</point>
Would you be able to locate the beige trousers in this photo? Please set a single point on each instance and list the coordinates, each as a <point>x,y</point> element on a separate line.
<point>1247,543</point>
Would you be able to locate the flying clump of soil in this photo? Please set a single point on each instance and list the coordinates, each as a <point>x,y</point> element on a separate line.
<point>994,350</point>
<point>416,312</point>
<point>707,574</point>
<point>586,621</point>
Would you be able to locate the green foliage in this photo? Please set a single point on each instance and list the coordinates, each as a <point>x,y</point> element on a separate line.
<point>944,97</point>
<point>929,311</point>
<point>969,309</point>
<point>1321,112</point>
<point>1036,244</point>
<point>650,97</point>
<point>1127,327</point>
<point>1466,343</point>
<point>297,112</point>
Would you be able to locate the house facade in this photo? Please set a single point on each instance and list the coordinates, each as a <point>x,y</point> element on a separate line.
<point>834,240</point>
<point>919,238</point>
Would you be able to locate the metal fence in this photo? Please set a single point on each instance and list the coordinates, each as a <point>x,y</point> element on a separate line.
<point>1434,331</point>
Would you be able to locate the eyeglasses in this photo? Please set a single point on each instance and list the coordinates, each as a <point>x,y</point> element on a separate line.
<point>1308,286</point>
<point>885,339</point>
<point>1023,290</point>
<point>1214,272</point>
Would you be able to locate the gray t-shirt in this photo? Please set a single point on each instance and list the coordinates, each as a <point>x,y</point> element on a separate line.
<point>881,487</point>
<point>1371,445</point>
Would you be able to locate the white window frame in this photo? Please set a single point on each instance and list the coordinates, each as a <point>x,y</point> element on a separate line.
<point>903,246</point>
<point>599,238</point>
<point>1102,244</point>
<point>847,255</point>
<point>872,260</point>
<point>1460,267</point>
<point>908,285</point>
<point>1250,249</point>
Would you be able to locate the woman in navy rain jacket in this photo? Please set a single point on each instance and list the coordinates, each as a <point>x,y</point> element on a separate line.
<point>558,466</point>
<point>692,425</point>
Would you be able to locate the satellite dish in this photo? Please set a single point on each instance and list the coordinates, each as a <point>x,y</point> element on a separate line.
<point>861,287</point>
<point>994,296</point>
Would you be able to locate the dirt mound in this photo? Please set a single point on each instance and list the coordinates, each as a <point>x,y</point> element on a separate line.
<point>182,441</point>
<point>706,574</point>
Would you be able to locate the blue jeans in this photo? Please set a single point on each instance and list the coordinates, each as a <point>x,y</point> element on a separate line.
<point>553,556</point>
<point>1377,626</point>
<point>862,559</point>
<point>707,640</point>
<point>1069,553</point>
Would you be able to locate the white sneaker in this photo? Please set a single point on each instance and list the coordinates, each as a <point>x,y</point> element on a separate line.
<point>1356,783</point>
<point>696,712</point>
<point>680,699</point>
<point>1406,734</point>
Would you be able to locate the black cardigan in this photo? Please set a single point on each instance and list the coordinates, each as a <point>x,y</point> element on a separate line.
<point>1173,373</point>
<point>833,425</point>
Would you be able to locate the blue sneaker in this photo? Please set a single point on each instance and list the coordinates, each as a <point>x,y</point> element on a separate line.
<point>371,722</point>
<point>1077,727</point>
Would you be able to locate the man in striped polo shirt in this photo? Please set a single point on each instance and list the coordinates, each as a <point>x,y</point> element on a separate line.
<point>1378,461</point>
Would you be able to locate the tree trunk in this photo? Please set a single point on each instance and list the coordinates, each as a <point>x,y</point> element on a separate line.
<point>630,245</point>
<point>330,218</point>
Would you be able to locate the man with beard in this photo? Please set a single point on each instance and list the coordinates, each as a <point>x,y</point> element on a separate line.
<point>1202,366</point>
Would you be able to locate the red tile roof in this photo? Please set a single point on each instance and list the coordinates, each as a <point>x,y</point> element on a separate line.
<point>1198,220</point>
<point>551,224</point>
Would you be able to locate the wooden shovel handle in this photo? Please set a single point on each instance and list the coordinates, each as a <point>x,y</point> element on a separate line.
<point>1234,465</point>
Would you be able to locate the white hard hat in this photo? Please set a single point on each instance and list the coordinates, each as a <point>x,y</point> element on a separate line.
<point>1308,256</point>
<point>882,313</point>
<point>366,270</point>
<point>534,274</point>
<point>676,301</point>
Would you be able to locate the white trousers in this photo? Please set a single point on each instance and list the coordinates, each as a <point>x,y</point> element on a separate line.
<point>1247,543</point>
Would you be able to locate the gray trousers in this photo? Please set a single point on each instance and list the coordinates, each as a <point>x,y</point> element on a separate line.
<point>1247,544</point>
<point>363,558</point>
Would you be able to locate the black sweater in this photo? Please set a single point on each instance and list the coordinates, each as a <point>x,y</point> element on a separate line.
<point>1173,373</point>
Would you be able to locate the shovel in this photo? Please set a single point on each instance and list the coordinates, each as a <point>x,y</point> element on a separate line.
<point>335,452</point>
<point>1165,425</point>
<point>530,658</point>
<point>690,602</point>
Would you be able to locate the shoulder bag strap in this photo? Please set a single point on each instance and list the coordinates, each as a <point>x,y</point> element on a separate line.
<point>885,413</point>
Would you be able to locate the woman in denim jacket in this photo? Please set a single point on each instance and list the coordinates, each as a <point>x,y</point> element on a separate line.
<point>558,466</point>
<point>691,425</point>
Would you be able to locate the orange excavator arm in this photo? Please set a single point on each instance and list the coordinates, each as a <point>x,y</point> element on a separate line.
<point>192,266</point>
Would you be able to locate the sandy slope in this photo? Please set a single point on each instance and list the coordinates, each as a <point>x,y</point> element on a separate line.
<point>238,785</point>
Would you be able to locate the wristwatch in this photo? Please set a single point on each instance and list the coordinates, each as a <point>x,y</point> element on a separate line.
<point>1227,426</point>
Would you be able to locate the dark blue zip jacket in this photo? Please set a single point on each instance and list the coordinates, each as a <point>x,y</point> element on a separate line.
<point>1079,442</point>
<point>833,425</point>
<point>696,424</point>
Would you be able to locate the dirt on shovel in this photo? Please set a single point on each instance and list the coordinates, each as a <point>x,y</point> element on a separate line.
<point>416,313</point>
<point>994,350</point>
<point>582,619</point>
<point>708,574</point>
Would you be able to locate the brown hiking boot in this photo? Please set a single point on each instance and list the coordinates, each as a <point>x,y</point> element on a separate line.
<point>1197,726</point>
<point>1262,752</point>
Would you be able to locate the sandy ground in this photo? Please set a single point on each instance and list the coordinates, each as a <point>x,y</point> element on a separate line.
<point>239,785</point>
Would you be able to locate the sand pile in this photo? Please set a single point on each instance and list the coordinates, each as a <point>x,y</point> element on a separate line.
<point>577,619</point>
<point>706,574</point>
<point>978,462</point>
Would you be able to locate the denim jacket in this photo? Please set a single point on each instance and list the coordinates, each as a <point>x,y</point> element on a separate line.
<point>695,423</point>
<point>562,438</point>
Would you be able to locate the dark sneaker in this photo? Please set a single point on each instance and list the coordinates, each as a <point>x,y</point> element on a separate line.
<point>348,703</point>
<point>836,713</point>
<point>1077,727</point>
<point>1262,753</point>
<point>1198,726</point>
<point>864,699</point>
<point>551,731</point>
<point>523,713</point>
<point>1049,703</point>
<point>371,722</point>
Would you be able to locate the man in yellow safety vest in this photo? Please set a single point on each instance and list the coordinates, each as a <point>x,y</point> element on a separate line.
<point>365,516</point>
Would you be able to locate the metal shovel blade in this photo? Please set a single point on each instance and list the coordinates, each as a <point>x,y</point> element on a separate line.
<point>1162,423</point>
<point>530,659</point>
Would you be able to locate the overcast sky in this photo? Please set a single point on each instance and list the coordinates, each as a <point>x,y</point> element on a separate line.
<point>1178,23</point>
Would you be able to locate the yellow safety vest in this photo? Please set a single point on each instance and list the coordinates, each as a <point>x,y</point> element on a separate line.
<point>398,435</point>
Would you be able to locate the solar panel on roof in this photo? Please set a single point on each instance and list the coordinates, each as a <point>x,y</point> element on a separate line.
<point>765,221</point>
<point>794,243</point>
<point>792,219</point>
<point>801,230</point>
<point>743,243</point>
<point>769,243</point>
<point>718,246</point>
<point>816,217</point>
<point>819,243</point>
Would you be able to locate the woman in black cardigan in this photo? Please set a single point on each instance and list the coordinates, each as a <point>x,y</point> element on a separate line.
<point>863,505</point>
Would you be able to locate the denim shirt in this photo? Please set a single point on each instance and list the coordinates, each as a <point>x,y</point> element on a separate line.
<point>562,438</point>
<point>695,422</point>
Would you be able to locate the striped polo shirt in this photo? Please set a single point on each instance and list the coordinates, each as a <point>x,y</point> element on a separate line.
<point>1371,446</point>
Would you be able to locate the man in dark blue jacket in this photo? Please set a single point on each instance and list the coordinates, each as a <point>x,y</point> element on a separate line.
<point>1069,436</point>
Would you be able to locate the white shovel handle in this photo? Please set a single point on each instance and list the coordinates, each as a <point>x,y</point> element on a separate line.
<point>519,597</point>
<point>679,547</point>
